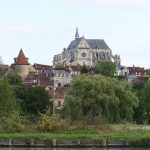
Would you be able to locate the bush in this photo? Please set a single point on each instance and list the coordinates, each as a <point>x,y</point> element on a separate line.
<point>49,122</point>
<point>12,123</point>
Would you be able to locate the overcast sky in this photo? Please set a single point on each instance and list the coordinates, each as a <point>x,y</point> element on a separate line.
<point>42,28</point>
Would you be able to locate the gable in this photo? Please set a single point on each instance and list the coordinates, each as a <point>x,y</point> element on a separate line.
<point>83,44</point>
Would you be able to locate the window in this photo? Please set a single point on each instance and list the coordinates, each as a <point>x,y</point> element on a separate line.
<point>83,54</point>
<point>59,103</point>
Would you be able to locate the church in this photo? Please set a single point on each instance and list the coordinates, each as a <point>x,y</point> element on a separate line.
<point>82,51</point>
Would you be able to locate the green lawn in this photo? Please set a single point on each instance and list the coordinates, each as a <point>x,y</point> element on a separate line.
<point>129,136</point>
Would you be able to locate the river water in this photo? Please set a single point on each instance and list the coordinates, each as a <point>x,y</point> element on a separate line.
<point>75,148</point>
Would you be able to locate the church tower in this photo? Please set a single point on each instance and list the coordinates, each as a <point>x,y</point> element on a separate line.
<point>76,34</point>
<point>117,60</point>
<point>21,65</point>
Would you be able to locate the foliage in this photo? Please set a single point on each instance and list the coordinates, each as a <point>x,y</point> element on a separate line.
<point>3,69</point>
<point>62,68</point>
<point>36,100</point>
<point>7,99</point>
<point>138,86</point>
<point>106,68</point>
<point>12,123</point>
<point>84,69</point>
<point>15,80</point>
<point>142,113</point>
<point>49,122</point>
<point>91,96</point>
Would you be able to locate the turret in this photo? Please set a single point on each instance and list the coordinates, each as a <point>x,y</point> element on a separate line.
<point>21,65</point>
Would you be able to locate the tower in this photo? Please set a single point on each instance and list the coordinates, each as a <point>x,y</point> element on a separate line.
<point>117,60</point>
<point>21,65</point>
<point>76,34</point>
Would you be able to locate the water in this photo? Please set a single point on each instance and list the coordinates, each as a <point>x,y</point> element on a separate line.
<point>75,148</point>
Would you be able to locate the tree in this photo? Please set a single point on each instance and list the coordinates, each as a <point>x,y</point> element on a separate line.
<point>7,99</point>
<point>15,80</point>
<point>106,68</point>
<point>36,100</point>
<point>142,113</point>
<point>2,70</point>
<point>84,69</point>
<point>98,95</point>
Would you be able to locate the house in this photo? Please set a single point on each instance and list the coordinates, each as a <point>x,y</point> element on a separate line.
<point>137,74</point>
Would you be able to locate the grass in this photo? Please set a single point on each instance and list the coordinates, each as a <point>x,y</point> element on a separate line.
<point>80,134</point>
<point>127,132</point>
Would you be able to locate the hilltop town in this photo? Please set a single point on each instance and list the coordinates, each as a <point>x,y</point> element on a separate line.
<point>80,53</point>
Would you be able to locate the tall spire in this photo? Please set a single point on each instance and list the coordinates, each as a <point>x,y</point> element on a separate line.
<point>76,34</point>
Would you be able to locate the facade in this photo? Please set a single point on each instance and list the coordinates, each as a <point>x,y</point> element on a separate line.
<point>82,51</point>
<point>137,74</point>
<point>40,75</point>
<point>43,70</point>
<point>60,77</point>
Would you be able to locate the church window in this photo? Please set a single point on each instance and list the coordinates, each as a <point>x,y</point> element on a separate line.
<point>83,54</point>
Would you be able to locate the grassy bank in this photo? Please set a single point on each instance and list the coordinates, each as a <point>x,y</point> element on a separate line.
<point>81,134</point>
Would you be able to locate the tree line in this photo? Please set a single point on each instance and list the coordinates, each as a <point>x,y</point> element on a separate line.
<point>100,96</point>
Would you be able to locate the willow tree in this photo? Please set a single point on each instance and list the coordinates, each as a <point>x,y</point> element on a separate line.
<point>98,95</point>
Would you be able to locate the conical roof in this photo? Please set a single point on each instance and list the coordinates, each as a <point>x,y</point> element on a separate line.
<point>21,60</point>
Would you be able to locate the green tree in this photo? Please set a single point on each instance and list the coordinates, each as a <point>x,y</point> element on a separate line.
<point>15,80</point>
<point>36,100</point>
<point>142,113</point>
<point>7,99</point>
<point>106,68</point>
<point>98,95</point>
<point>84,69</point>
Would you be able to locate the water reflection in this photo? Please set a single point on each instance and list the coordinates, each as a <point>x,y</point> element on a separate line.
<point>74,148</point>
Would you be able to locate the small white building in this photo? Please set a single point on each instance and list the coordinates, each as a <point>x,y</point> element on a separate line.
<point>61,77</point>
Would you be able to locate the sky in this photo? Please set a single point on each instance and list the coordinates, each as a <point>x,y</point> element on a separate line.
<point>42,28</point>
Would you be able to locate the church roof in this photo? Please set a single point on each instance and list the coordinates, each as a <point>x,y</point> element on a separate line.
<point>74,43</point>
<point>93,43</point>
<point>97,44</point>
<point>21,59</point>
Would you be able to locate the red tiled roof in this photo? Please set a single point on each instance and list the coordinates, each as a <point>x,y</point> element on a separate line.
<point>21,60</point>
<point>42,67</point>
<point>38,81</point>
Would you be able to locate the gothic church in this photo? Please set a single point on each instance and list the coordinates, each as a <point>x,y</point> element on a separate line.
<point>82,51</point>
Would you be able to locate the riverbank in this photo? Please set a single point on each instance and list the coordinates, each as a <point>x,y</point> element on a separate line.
<point>128,136</point>
<point>76,139</point>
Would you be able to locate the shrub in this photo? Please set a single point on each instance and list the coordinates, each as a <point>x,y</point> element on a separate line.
<point>12,123</point>
<point>49,122</point>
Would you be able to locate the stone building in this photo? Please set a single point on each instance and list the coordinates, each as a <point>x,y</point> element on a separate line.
<point>21,65</point>
<point>82,51</point>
